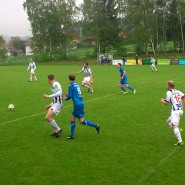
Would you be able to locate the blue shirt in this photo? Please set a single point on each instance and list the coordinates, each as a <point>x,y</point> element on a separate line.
<point>74,93</point>
<point>121,71</point>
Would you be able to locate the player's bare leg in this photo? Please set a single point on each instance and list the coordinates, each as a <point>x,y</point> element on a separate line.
<point>31,77</point>
<point>176,131</point>
<point>177,135</point>
<point>34,76</point>
<point>90,89</point>
<point>84,84</point>
<point>49,119</point>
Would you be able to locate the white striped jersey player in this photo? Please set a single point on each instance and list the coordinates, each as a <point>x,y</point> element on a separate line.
<point>153,62</point>
<point>57,104</point>
<point>32,67</point>
<point>87,71</point>
<point>174,97</point>
<point>87,74</point>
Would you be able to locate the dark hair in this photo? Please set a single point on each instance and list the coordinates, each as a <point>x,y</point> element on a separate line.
<point>119,64</point>
<point>72,77</point>
<point>86,63</point>
<point>51,77</point>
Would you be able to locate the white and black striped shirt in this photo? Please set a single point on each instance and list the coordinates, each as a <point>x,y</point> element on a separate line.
<point>174,97</point>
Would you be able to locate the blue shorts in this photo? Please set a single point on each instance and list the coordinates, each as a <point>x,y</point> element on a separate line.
<point>124,81</point>
<point>78,111</point>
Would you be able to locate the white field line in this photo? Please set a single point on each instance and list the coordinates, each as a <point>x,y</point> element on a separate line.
<point>35,115</point>
<point>156,167</point>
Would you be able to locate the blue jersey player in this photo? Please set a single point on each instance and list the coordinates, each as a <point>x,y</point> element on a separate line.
<point>124,80</point>
<point>74,93</point>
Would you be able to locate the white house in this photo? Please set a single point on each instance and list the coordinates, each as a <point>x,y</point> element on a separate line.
<point>27,45</point>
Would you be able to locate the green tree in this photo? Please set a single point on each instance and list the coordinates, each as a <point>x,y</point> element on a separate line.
<point>16,43</point>
<point>3,50</point>
<point>101,18</point>
<point>140,23</point>
<point>51,22</point>
<point>181,14</point>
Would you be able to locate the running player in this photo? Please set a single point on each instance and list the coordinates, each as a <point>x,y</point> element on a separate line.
<point>75,94</point>
<point>88,78</point>
<point>174,97</point>
<point>32,68</point>
<point>153,61</point>
<point>124,80</point>
<point>55,107</point>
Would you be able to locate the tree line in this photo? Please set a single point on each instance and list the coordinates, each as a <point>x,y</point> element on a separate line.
<point>147,24</point>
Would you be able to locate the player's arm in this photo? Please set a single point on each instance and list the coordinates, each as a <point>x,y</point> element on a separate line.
<point>57,93</point>
<point>78,72</point>
<point>122,77</point>
<point>91,76</point>
<point>35,67</point>
<point>69,94</point>
<point>164,101</point>
<point>28,67</point>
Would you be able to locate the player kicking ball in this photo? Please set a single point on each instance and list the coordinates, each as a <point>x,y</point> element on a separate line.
<point>56,106</point>
<point>177,100</point>
<point>124,80</point>
<point>74,93</point>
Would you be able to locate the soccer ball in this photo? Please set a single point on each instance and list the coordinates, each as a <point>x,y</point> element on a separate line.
<point>11,106</point>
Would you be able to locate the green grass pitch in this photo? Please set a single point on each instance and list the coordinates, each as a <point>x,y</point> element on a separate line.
<point>134,147</point>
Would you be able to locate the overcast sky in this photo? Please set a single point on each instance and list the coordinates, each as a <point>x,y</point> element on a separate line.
<point>13,18</point>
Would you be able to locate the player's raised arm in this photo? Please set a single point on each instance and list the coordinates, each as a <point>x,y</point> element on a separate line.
<point>78,72</point>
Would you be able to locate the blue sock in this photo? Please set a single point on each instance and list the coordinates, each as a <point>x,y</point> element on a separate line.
<point>88,123</point>
<point>131,88</point>
<point>73,125</point>
<point>123,89</point>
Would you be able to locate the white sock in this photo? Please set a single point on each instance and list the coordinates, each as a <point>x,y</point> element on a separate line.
<point>177,134</point>
<point>30,78</point>
<point>86,86</point>
<point>35,78</point>
<point>54,125</point>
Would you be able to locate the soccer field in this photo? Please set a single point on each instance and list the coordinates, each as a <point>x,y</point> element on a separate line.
<point>134,147</point>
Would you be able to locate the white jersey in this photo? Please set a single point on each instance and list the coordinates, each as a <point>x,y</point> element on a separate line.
<point>153,61</point>
<point>31,66</point>
<point>174,97</point>
<point>56,90</point>
<point>87,71</point>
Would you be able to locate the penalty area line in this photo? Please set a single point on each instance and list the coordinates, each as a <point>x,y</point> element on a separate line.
<point>35,115</point>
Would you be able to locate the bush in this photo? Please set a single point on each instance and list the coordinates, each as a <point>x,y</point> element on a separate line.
<point>43,57</point>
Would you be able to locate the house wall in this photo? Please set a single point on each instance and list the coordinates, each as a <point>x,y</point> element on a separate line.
<point>28,50</point>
